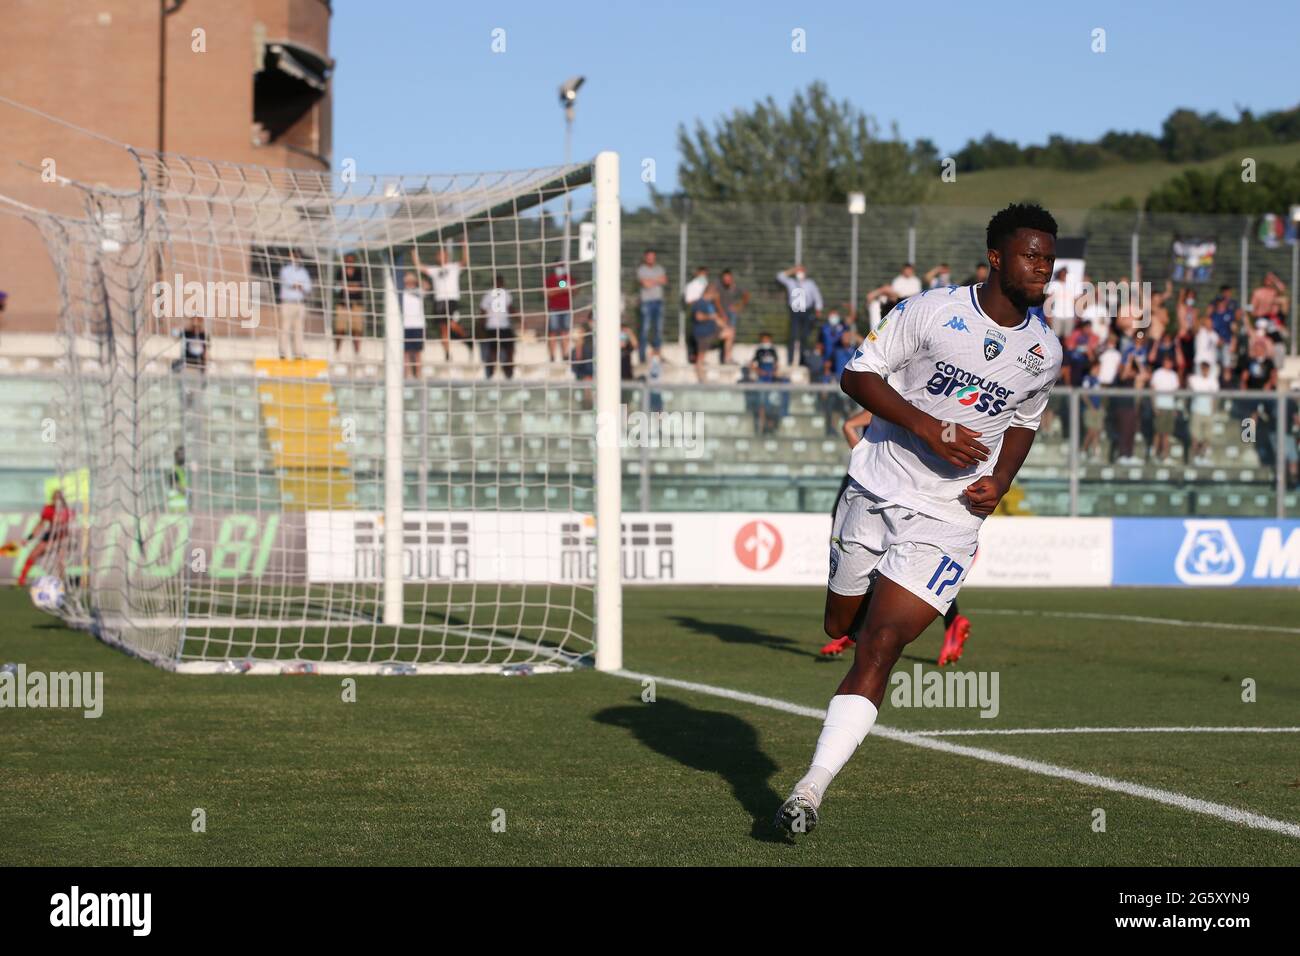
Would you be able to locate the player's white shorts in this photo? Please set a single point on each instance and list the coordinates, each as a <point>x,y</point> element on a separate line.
<point>871,537</point>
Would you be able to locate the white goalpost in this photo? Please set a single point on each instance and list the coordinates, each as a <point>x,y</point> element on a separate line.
<point>315,424</point>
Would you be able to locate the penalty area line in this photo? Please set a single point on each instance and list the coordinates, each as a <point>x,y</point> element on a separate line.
<point>1181,801</point>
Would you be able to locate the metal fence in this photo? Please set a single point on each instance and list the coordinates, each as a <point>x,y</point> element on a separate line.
<point>758,240</point>
<point>1229,453</point>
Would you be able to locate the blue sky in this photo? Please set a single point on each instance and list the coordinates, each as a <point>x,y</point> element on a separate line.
<point>418,89</point>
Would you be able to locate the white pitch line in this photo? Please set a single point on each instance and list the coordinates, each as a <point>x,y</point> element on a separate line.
<point>1107,730</point>
<point>1171,798</point>
<point>1139,619</point>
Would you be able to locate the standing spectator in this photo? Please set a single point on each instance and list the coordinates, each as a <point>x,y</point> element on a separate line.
<point>1094,415</point>
<point>559,312</point>
<point>1080,351</point>
<point>939,277</point>
<point>498,343</point>
<point>349,306</point>
<point>1224,311</point>
<point>651,278</point>
<point>1124,408</point>
<point>295,286</point>
<point>1059,307</point>
<point>1206,383</point>
<point>195,348</point>
<point>695,288</point>
<point>708,326</point>
<point>906,283</point>
<point>804,300</point>
<point>1259,373</point>
<point>768,405</point>
<point>1207,348</point>
<point>818,364</point>
<point>412,303</point>
<point>580,357</point>
<point>1267,298</point>
<point>446,294</point>
<point>1108,361</point>
<point>626,347</point>
<point>654,373</point>
<point>980,274</point>
<point>828,333</point>
<point>734,299</point>
<point>1164,381</point>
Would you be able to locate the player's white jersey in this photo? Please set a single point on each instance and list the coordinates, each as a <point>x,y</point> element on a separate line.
<point>945,356</point>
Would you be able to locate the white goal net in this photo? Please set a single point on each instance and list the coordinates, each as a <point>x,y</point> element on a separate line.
<point>341,423</point>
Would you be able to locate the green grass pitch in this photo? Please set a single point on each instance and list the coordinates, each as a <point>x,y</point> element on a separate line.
<point>582,771</point>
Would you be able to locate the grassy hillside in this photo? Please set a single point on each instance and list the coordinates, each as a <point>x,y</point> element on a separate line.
<point>1069,190</point>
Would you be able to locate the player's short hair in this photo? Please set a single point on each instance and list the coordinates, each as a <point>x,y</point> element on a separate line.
<point>1018,215</point>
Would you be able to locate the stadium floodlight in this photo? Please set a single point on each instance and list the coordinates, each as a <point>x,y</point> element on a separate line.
<point>265,515</point>
<point>857,204</point>
<point>569,94</point>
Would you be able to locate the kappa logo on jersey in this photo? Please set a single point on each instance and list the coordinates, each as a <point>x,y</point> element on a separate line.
<point>1033,360</point>
<point>957,323</point>
<point>993,343</point>
<point>971,390</point>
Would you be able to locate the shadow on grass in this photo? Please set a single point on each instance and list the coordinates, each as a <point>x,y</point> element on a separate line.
<point>740,634</point>
<point>711,742</point>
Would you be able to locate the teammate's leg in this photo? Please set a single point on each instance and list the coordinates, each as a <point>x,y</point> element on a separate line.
<point>37,553</point>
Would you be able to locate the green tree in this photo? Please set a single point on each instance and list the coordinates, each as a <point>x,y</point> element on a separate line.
<point>1275,189</point>
<point>816,150</point>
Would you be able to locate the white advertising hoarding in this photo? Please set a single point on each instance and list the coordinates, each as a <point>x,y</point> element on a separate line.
<point>676,548</point>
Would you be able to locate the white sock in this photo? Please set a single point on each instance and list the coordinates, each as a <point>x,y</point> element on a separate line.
<point>849,719</point>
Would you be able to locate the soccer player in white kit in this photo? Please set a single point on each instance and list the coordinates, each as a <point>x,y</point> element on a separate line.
<point>972,371</point>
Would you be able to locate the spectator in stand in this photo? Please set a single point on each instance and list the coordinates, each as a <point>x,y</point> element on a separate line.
<point>446,295</point>
<point>768,406</point>
<point>412,304</point>
<point>1293,444</point>
<point>1094,415</point>
<point>696,287</point>
<point>1206,384</point>
<point>939,277</point>
<point>652,280</point>
<point>980,274</point>
<point>828,333</point>
<point>1164,382</point>
<point>804,300</point>
<point>734,299</point>
<point>295,286</point>
<point>1224,311</point>
<point>1259,373</point>
<point>1124,408</point>
<point>195,348</point>
<point>1088,305</point>
<point>498,340</point>
<point>627,346</point>
<point>1166,346</point>
<point>843,355</point>
<point>1207,348</point>
<point>559,312</point>
<point>709,326</point>
<point>580,357</point>
<point>1059,307</point>
<point>1269,298</point>
<point>905,284</point>
<point>349,305</point>
<point>818,364</point>
<point>1108,361</point>
<point>1080,353</point>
